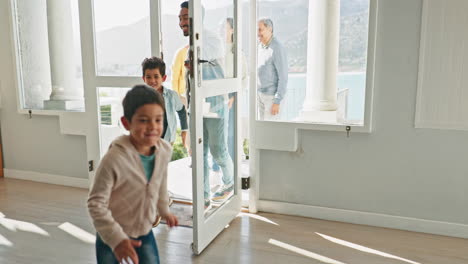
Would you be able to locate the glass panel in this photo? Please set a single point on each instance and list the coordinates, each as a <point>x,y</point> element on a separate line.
<point>174,46</point>
<point>122,36</point>
<point>110,111</point>
<point>218,51</point>
<point>302,100</point>
<point>49,53</point>
<point>218,151</point>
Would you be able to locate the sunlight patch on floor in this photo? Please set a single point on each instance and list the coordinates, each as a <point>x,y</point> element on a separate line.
<point>5,242</point>
<point>304,252</point>
<point>258,217</point>
<point>78,232</point>
<point>14,225</point>
<point>364,249</point>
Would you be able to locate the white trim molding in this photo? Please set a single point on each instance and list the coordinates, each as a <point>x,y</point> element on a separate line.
<point>47,178</point>
<point>366,218</point>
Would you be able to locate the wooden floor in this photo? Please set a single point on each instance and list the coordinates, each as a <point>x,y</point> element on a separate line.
<point>40,209</point>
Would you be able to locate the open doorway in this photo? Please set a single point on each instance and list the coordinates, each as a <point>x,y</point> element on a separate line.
<point>174,47</point>
<point>172,41</point>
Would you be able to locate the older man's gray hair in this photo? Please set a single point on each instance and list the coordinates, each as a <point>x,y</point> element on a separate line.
<point>267,22</point>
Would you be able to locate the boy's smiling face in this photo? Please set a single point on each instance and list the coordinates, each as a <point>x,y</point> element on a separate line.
<point>145,127</point>
<point>153,78</point>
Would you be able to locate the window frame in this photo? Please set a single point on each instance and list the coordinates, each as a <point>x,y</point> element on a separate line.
<point>18,80</point>
<point>366,127</point>
<point>91,79</point>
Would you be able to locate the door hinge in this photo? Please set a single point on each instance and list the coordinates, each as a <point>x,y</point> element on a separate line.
<point>90,165</point>
<point>246,183</point>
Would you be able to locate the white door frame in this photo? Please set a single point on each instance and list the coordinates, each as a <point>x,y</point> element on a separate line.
<point>92,81</point>
<point>205,229</point>
<point>254,152</point>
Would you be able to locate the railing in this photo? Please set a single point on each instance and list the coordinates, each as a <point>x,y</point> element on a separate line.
<point>106,115</point>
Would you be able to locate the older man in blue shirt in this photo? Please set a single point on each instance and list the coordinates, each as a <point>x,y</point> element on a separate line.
<point>272,72</point>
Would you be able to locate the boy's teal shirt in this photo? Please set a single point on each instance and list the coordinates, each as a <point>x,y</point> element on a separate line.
<point>148,164</point>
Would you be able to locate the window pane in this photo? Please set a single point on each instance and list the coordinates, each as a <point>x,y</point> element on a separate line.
<point>218,49</point>
<point>306,99</point>
<point>110,111</point>
<point>49,55</point>
<point>122,36</point>
<point>219,153</point>
<point>174,46</point>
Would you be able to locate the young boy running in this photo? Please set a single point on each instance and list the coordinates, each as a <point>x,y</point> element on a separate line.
<point>130,186</point>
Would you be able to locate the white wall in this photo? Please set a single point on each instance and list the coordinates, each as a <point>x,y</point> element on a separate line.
<point>33,145</point>
<point>396,170</point>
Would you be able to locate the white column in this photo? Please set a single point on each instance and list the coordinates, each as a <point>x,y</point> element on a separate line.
<point>66,94</point>
<point>34,52</point>
<point>322,61</point>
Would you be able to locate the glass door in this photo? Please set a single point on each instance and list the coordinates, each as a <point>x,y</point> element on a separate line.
<point>213,100</point>
<point>113,46</point>
<point>214,92</point>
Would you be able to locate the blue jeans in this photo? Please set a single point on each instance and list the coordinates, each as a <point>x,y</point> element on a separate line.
<point>215,140</point>
<point>215,132</point>
<point>215,166</point>
<point>147,253</point>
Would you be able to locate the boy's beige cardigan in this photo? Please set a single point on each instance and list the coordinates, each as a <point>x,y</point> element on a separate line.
<point>122,203</point>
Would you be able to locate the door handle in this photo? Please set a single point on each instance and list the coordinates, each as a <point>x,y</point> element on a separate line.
<point>199,68</point>
<point>206,61</point>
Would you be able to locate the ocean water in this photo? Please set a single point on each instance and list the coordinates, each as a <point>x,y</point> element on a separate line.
<point>355,83</point>
<point>292,105</point>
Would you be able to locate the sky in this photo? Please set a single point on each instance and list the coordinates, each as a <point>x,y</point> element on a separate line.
<point>112,13</point>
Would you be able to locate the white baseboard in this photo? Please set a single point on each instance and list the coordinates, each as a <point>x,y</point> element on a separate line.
<point>365,218</point>
<point>47,178</point>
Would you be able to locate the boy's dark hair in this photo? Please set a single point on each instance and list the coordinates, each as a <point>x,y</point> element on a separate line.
<point>154,63</point>
<point>138,96</point>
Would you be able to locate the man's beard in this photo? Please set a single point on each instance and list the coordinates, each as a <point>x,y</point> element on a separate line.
<point>185,32</point>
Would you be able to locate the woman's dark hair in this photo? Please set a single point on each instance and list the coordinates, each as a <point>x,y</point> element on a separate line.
<point>230,22</point>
